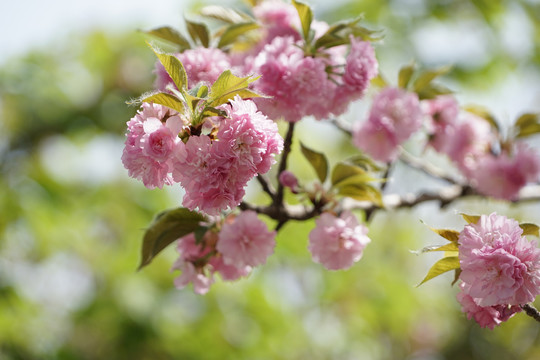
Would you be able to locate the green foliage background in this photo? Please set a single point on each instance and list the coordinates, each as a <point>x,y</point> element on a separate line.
<point>70,239</point>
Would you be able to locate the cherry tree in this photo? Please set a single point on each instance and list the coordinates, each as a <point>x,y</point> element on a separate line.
<point>211,125</point>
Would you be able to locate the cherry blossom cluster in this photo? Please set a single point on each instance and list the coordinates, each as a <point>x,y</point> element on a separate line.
<point>213,168</point>
<point>231,248</point>
<point>500,269</point>
<point>493,167</point>
<point>297,83</point>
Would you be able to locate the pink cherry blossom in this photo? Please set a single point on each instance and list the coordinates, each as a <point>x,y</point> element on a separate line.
<point>337,242</point>
<point>246,241</point>
<point>288,179</point>
<point>214,172</point>
<point>394,116</point>
<point>151,139</point>
<point>443,112</point>
<point>499,266</point>
<point>485,316</point>
<point>190,274</point>
<point>360,68</point>
<point>278,19</point>
<point>502,176</point>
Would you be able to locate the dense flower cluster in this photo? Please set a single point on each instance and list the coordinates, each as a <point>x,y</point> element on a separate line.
<point>337,242</point>
<point>500,269</point>
<point>243,243</point>
<point>212,169</point>
<point>468,140</point>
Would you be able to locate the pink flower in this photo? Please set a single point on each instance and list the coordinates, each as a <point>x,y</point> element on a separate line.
<point>499,266</point>
<point>337,242</point>
<point>150,142</point>
<point>288,179</point>
<point>246,241</point>
<point>503,176</point>
<point>443,112</point>
<point>190,274</point>
<point>214,172</point>
<point>201,64</point>
<point>394,116</point>
<point>485,316</point>
<point>250,135</point>
<point>278,19</point>
<point>361,67</point>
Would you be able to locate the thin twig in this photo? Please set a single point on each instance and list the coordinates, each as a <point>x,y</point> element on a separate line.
<point>266,185</point>
<point>342,125</point>
<point>426,168</point>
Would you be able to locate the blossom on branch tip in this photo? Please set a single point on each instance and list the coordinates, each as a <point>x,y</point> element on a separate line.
<point>499,265</point>
<point>337,242</point>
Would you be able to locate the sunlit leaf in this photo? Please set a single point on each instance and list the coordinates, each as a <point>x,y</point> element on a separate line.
<point>343,171</point>
<point>174,68</point>
<point>452,246</point>
<point>365,162</point>
<point>426,77</point>
<point>362,192</point>
<point>171,35</point>
<point>457,272</point>
<point>166,228</point>
<point>228,15</point>
<point>161,98</point>
<point>530,229</point>
<point>227,86</point>
<point>448,234</point>
<point>306,17</point>
<point>199,32</point>
<point>405,74</point>
<point>317,160</point>
<point>234,31</point>
<point>442,266</point>
<point>527,124</point>
<point>470,219</point>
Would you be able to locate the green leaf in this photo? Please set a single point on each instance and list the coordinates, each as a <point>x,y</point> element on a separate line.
<point>442,266</point>
<point>166,228</point>
<point>210,111</point>
<point>457,272</point>
<point>405,74</point>
<point>169,34</point>
<point>432,91</point>
<point>339,34</point>
<point>317,160</point>
<point>448,234</point>
<point>484,114</point>
<point>530,229</point>
<point>161,98</point>
<point>234,31</point>
<point>470,219</point>
<point>364,161</point>
<point>362,192</point>
<point>527,124</point>
<point>224,14</point>
<point>426,77</point>
<point>227,86</point>
<point>306,17</point>
<point>174,68</point>
<point>202,91</point>
<point>199,32</point>
<point>344,171</point>
<point>452,246</point>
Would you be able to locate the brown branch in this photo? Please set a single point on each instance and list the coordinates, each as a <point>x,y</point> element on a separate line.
<point>278,200</point>
<point>531,311</point>
<point>266,185</point>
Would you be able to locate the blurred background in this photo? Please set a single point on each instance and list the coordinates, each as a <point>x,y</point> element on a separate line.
<point>71,221</point>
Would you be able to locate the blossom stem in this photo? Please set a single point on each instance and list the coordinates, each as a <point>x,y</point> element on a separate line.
<point>531,311</point>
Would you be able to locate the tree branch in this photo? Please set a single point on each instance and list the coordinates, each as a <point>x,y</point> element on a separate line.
<point>531,311</point>
<point>427,168</point>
